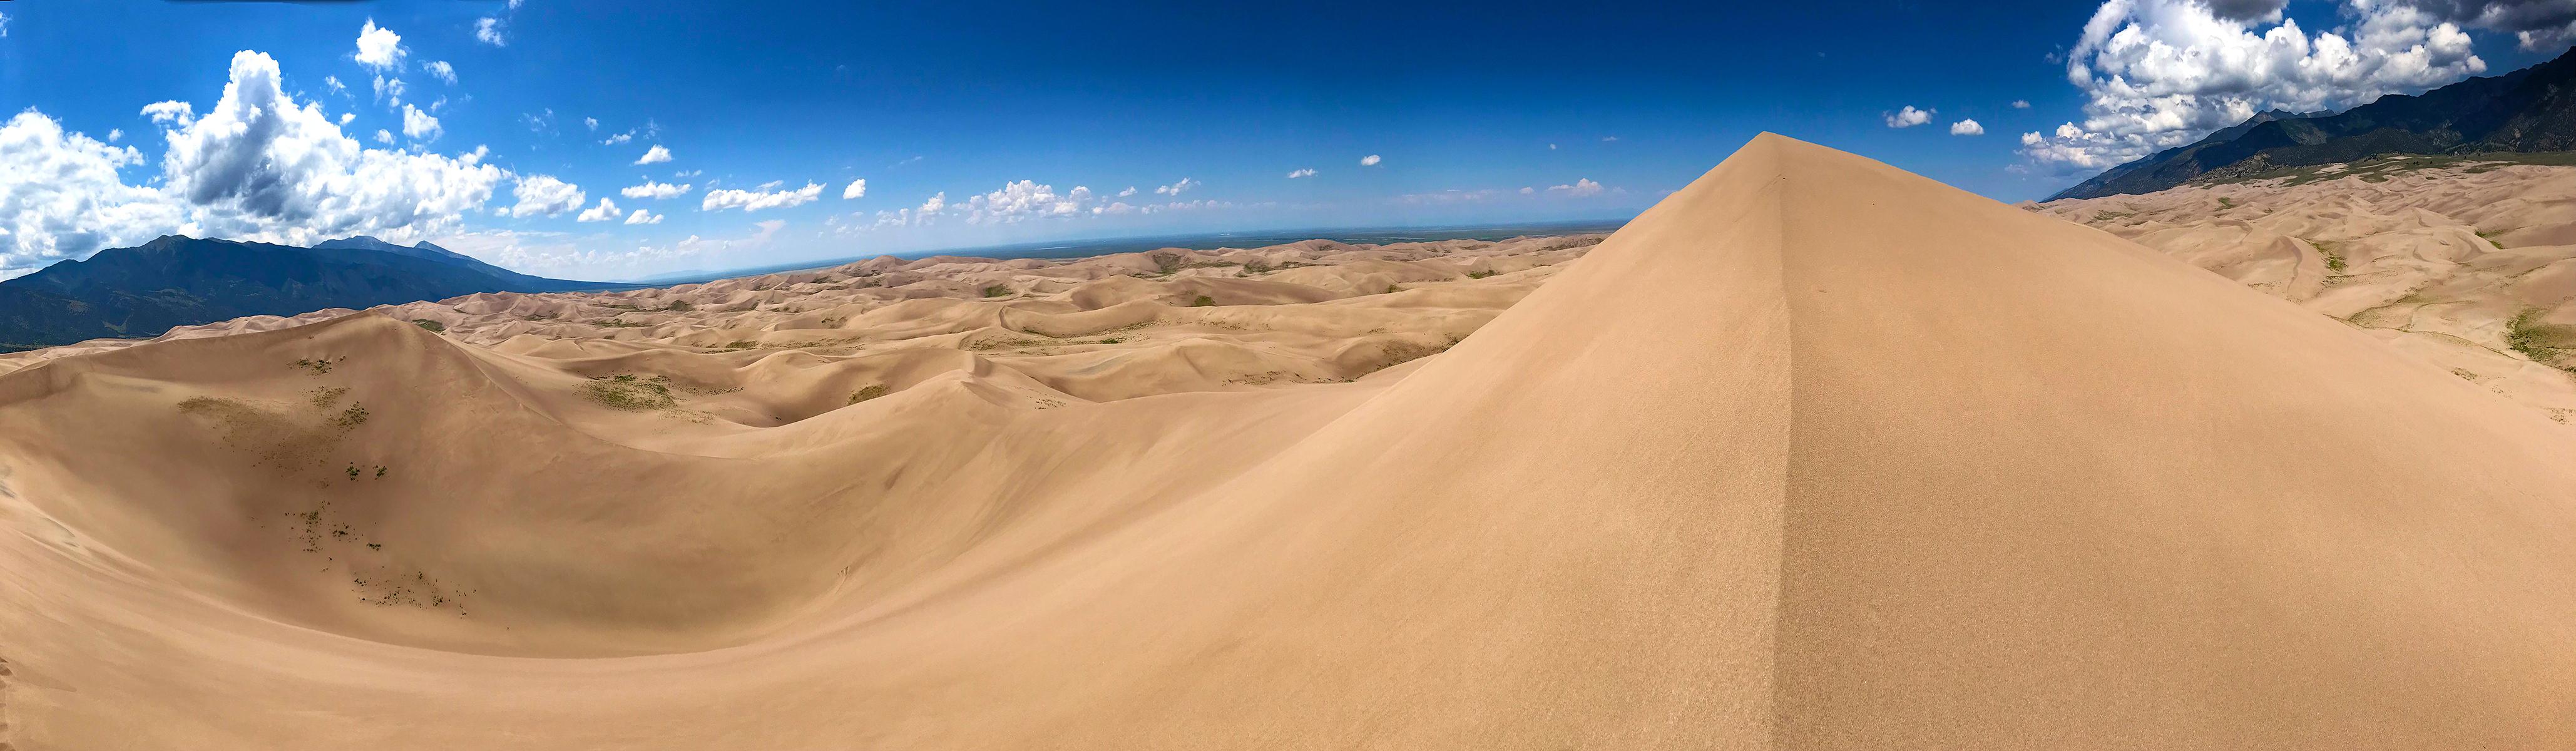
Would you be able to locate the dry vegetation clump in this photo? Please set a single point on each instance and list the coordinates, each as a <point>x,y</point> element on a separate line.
<point>629,393</point>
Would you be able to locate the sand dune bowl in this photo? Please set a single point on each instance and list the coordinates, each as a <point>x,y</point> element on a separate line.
<point>1814,454</point>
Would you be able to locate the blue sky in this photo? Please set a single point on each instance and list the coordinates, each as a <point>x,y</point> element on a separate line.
<point>985,124</point>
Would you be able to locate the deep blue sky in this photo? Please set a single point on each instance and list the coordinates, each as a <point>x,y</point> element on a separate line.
<point>1461,102</point>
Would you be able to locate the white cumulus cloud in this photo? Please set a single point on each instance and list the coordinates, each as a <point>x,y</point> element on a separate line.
<point>1370,160</point>
<point>1908,117</point>
<point>543,194</point>
<point>1173,189</point>
<point>1308,172</point>
<point>379,48</point>
<point>655,155</point>
<point>641,216</point>
<point>441,70</point>
<point>652,189</point>
<point>857,188</point>
<point>1581,188</point>
<point>419,125</point>
<point>755,200</point>
<point>1967,128</point>
<point>2162,73</point>
<point>606,211</point>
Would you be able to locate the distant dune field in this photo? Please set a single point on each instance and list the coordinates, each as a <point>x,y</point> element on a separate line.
<point>1815,454</point>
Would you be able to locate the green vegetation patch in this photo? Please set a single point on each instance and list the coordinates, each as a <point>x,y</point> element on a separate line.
<point>865,394</point>
<point>1481,274</point>
<point>998,290</point>
<point>1203,301</point>
<point>629,393</point>
<point>2545,343</point>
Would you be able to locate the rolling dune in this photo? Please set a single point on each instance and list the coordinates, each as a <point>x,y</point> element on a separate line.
<point>2456,262</point>
<point>1814,454</point>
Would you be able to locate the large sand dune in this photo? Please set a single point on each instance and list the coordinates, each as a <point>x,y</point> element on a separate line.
<point>1814,454</point>
<point>2457,262</point>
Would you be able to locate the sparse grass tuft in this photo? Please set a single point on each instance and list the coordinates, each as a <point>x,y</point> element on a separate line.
<point>865,394</point>
<point>319,367</point>
<point>1481,274</point>
<point>627,393</point>
<point>1392,289</point>
<point>433,326</point>
<point>2225,203</point>
<point>2544,343</point>
<point>1113,340</point>
<point>352,417</point>
<point>1203,301</point>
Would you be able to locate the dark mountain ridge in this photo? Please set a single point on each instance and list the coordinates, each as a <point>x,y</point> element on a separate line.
<point>179,281</point>
<point>2526,111</point>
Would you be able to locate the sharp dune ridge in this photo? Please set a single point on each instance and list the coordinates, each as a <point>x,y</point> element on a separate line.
<point>1814,454</point>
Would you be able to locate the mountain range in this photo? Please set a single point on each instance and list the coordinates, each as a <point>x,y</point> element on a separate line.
<point>2525,111</point>
<point>179,281</point>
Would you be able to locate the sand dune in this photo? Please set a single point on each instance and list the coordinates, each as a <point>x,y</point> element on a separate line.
<point>2448,261</point>
<point>1814,454</point>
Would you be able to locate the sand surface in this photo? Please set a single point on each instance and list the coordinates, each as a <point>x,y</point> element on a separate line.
<point>1815,454</point>
<point>2445,262</point>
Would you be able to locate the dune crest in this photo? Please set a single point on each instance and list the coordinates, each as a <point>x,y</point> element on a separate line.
<point>1814,454</point>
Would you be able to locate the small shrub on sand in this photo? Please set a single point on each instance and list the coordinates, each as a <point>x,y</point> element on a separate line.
<point>433,326</point>
<point>1481,274</point>
<point>1392,289</point>
<point>865,394</point>
<point>627,393</point>
<point>681,306</point>
<point>1203,301</point>
<point>354,416</point>
<point>998,290</point>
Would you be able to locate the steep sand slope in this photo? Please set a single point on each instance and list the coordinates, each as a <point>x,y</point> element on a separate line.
<point>2455,262</point>
<point>1815,454</point>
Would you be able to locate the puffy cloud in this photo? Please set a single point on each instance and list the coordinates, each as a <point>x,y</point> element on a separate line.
<point>1027,199</point>
<point>256,166</point>
<point>606,211</point>
<point>333,85</point>
<point>345,117</point>
<point>655,155</point>
<point>1967,128</point>
<point>384,136</point>
<point>259,166</point>
<point>857,188</point>
<point>1528,190</point>
<point>640,216</point>
<point>379,49</point>
<point>1370,160</point>
<point>543,194</point>
<point>115,134</point>
<point>1294,174</point>
<point>935,203</point>
<point>4,25</point>
<point>171,114</point>
<point>441,70</point>
<point>2537,24</point>
<point>652,189</point>
<point>755,200</point>
<point>1131,190</point>
<point>388,88</point>
<point>419,125</point>
<point>488,31</point>
<point>1908,117</point>
<point>1582,188</point>
<point>60,196</point>
<point>618,139</point>
<point>2021,104</point>
<point>1173,189</point>
<point>2162,73</point>
<point>591,122</point>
